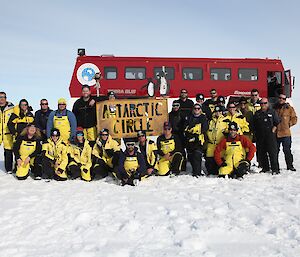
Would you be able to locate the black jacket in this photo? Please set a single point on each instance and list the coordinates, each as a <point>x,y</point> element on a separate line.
<point>185,106</point>
<point>41,119</point>
<point>177,121</point>
<point>84,113</point>
<point>191,122</point>
<point>263,122</point>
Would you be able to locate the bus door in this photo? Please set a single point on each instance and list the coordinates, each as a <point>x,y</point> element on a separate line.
<point>274,80</point>
<point>288,83</point>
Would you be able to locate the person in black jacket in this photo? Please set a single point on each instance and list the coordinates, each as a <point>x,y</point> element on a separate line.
<point>177,120</point>
<point>41,118</point>
<point>186,104</point>
<point>195,129</point>
<point>205,109</point>
<point>265,122</point>
<point>213,101</point>
<point>132,164</point>
<point>85,112</point>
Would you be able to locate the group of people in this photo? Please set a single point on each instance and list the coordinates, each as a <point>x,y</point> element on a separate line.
<point>61,144</point>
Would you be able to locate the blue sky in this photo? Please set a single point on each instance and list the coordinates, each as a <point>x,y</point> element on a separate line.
<point>39,39</point>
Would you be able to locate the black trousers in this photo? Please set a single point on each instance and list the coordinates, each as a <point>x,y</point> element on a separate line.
<point>177,163</point>
<point>212,167</point>
<point>74,171</point>
<point>268,152</point>
<point>195,158</point>
<point>8,160</point>
<point>286,145</point>
<point>49,170</point>
<point>100,168</point>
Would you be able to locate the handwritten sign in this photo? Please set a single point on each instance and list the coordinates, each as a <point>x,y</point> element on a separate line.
<point>125,117</point>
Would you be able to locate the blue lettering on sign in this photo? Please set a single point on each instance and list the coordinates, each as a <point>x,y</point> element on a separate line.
<point>88,74</point>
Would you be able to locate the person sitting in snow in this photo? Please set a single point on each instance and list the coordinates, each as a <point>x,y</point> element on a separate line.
<point>234,153</point>
<point>132,165</point>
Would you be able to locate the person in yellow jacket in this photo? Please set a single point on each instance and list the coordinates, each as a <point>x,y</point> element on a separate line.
<point>253,102</point>
<point>55,157</point>
<point>234,153</point>
<point>63,120</point>
<point>80,158</point>
<point>26,148</point>
<point>215,133</point>
<point>169,150</point>
<point>105,154</point>
<point>148,149</point>
<point>20,118</point>
<point>234,116</point>
<point>6,138</point>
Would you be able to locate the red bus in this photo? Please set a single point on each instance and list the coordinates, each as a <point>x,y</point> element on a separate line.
<point>130,76</point>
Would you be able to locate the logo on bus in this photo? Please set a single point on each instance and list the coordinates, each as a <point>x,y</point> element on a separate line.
<point>86,73</point>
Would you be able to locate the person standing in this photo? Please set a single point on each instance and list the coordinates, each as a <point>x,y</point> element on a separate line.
<point>195,129</point>
<point>41,118</point>
<point>186,104</point>
<point>253,103</point>
<point>213,100</point>
<point>265,122</point>
<point>288,118</point>
<point>215,134</point>
<point>20,118</point>
<point>85,112</point>
<point>243,109</point>
<point>6,110</point>
<point>205,109</point>
<point>63,120</point>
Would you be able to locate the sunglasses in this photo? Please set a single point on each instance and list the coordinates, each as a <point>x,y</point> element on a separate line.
<point>175,106</point>
<point>254,94</point>
<point>197,108</point>
<point>264,103</point>
<point>61,104</point>
<point>106,135</point>
<point>24,104</point>
<point>231,107</point>
<point>213,93</point>
<point>129,144</point>
<point>141,136</point>
<point>44,103</point>
<point>167,128</point>
<point>2,96</point>
<point>282,98</point>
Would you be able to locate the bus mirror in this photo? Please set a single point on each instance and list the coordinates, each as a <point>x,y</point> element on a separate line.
<point>293,82</point>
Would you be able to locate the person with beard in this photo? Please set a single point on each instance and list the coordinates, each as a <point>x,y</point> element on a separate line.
<point>41,118</point>
<point>288,118</point>
<point>186,104</point>
<point>84,110</point>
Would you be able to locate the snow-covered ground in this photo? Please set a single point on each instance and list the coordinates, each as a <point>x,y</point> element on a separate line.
<point>181,216</point>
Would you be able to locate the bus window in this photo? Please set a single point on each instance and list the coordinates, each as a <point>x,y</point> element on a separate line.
<point>248,74</point>
<point>110,72</point>
<point>220,74</point>
<point>137,73</point>
<point>169,70</point>
<point>192,74</point>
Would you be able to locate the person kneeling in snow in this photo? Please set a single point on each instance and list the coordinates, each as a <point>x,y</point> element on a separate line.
<point>234,153</point>
<point>26,148</point>
<point>55,157</point>
<point>105,155</point>
<point>80,157</point>
<point>132,165</point>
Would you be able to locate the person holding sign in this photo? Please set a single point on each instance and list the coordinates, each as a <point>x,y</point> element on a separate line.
<point>169,150</point>
<point>105,154</point>
<point>132,165</point>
